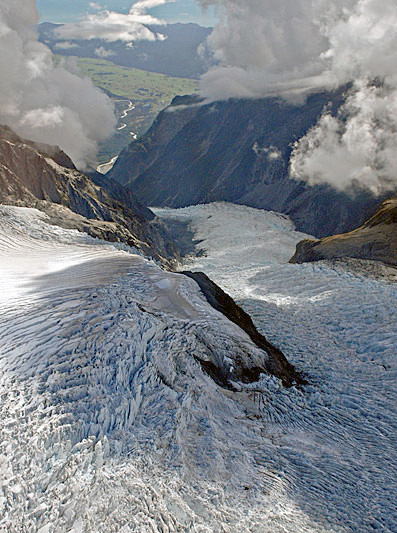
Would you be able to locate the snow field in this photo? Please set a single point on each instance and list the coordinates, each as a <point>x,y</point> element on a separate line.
<point>335,444</point>
<point>108,422</point>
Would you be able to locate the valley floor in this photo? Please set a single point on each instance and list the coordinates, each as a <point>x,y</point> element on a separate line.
<point>108,422</point>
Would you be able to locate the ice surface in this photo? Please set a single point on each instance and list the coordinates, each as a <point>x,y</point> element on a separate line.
<point>109,424</point>
<point>336,443</point>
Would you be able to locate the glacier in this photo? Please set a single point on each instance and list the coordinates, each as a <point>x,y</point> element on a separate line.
<point>108,422</point>
<point>336,442</point>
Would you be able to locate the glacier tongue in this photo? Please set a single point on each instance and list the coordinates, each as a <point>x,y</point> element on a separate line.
<point>335,444</point>
<point>108,422</point>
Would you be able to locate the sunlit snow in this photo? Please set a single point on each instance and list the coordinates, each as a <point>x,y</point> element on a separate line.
<point>335,444</point>
<point>108,423</point>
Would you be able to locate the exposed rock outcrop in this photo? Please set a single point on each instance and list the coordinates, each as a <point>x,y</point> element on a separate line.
<point>276,364</point>
<point>238,151</point>
<point>44,177</point>
<point>121,194</point>
<point>376,240</point>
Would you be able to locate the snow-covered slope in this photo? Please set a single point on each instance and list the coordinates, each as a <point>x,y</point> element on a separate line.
<point>108,422</point>
<point>334,446</point>
<point>43,177</point>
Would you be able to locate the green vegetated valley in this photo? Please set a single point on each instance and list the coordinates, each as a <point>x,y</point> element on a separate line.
<point>148,92</point>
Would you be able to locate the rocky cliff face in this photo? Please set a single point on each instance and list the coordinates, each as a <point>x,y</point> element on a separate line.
<point>376,239</point>
<point>42,176</point>
<point>237,151</point>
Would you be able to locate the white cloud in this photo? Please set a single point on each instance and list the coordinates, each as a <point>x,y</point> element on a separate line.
<point>103,52</point>
<point>358,146</point>
<point>278,47</point>
<point>271,152</point>
<point>112,26</point>
<point>65,45</point>
<point>266,47</point>
<point>42,102</point>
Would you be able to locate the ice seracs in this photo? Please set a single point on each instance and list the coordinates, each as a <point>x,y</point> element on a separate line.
<point>333,445</point>
<point>108,422</point>
<point>108,419</point>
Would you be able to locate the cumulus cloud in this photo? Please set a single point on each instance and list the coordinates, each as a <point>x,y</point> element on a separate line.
<point>103,52</point>
<point>269,47</point>
<point>112,26</point>
<point>356,148</point>
<point>65,45</point>
<point>42,102</point>
<point>359,146</point>
<point>266,47</point>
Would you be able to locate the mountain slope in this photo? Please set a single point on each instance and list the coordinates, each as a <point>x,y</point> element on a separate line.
<point>376,240</point>
<point>237,151</point>
<point>42,176</point>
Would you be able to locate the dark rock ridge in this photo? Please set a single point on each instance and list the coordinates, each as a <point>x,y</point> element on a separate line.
<point>44,177</point>
<point>276,364</point>
<point>376,240</point>
<point>238,151</point>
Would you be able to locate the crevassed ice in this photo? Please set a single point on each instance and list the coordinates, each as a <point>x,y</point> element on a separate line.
<point>109,424</point>
<point>335,443</point>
